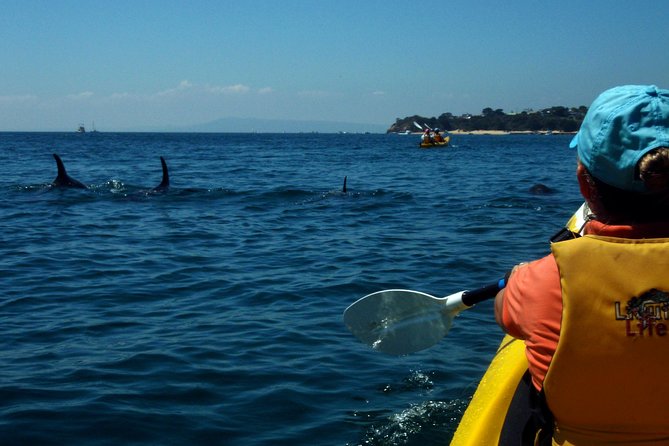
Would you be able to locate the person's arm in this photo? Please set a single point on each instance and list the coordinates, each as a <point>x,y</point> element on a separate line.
<point>499,299</point>
<point>499,307</point>
<point>531,298</point>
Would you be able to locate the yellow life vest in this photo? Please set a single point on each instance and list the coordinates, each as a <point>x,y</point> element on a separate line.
<point>608,380</point>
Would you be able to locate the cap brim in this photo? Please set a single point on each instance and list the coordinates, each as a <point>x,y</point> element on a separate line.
<point>574,142</point>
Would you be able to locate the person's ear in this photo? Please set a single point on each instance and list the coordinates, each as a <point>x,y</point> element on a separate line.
<point>583,183</point>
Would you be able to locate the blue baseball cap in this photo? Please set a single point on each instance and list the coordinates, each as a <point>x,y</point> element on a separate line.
<point>622,125</point>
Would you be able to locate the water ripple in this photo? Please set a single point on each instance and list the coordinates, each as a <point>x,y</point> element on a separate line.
<point>211,314</point>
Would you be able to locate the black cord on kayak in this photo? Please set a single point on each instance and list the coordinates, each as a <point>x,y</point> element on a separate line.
<point>564,234</point>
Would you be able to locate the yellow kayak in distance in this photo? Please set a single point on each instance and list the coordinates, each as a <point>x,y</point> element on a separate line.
<point>431,145</point>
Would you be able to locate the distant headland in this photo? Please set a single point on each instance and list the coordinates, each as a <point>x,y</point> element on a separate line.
<point>553,120</point>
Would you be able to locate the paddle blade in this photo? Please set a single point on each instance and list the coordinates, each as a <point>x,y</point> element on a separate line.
<point>399,322</point>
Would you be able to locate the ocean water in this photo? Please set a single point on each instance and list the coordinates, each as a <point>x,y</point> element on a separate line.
<point>212,314</point>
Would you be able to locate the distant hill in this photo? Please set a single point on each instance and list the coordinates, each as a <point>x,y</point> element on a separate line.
<point>250,125</point>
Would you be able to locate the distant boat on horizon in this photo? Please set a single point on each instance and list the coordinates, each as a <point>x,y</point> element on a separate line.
<point>82,128</point>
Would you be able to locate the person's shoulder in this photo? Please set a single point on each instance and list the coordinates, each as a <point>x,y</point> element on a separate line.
<point>536,275</point>
<point>633,231</point>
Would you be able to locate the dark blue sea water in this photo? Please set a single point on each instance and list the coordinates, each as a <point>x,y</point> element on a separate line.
<point>212,314</point>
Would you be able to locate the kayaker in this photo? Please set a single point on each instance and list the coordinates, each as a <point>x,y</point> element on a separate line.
<point>427,137</point>
<point>437,136</point>
<point>594,314</point>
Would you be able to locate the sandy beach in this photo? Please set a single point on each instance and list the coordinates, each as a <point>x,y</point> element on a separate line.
<point>500,132</point>
<point>504,132</point>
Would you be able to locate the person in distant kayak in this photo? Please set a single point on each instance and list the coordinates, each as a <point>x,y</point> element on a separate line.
<point>594,314</point>
<point>437,136</point>
<point>427,137</point>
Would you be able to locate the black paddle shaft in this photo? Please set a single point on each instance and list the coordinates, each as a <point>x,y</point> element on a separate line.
<point>472,297</point>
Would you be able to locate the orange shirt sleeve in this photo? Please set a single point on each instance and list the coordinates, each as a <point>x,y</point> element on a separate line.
<point>532,311</point>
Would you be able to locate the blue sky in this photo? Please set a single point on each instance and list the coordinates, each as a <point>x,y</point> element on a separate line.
<point>145,64</point>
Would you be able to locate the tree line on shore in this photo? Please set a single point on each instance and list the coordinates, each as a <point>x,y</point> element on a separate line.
<point>556,119</point>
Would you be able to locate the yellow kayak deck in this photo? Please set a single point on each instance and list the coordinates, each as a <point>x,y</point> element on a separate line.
<point>483,420</point>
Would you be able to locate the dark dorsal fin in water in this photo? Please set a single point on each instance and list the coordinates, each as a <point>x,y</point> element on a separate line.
<point>540,189</point>
<point>63,179</point>
<point>165,184</point>
<point>343,189</point>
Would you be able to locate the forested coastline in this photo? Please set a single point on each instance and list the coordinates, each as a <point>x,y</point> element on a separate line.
<point>553,119</point>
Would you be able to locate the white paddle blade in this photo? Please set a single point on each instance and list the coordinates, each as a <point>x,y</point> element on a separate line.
<point>399,322</point>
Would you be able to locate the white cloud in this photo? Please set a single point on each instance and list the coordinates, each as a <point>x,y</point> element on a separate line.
<point>186,86</point>
<point>183,85</point>
<point>80,96</point>
<point>17,99</point>
<point>119,96</point>
<point>378,93</point>
<point>229,89</point>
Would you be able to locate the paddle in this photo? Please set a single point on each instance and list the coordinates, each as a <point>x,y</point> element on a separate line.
<point>418,125</point>
<point>400,322</point>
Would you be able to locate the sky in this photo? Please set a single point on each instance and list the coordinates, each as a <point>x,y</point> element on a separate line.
<point>149,64</point>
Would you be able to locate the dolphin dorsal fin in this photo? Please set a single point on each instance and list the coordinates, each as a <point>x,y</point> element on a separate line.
<point>63,179</point>
<point>62,173</point>
<point>165,183</point>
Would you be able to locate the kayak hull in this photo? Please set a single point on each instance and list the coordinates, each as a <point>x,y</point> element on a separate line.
<point>483,420</point>
<point>433,145</point>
